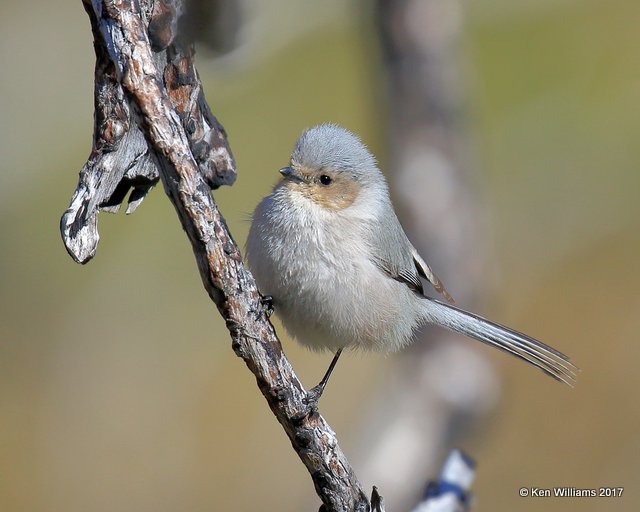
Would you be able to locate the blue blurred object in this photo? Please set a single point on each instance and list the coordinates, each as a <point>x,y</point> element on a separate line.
<point>451,492</point>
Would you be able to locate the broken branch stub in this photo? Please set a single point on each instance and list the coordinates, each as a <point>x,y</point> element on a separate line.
<point>121,159</point>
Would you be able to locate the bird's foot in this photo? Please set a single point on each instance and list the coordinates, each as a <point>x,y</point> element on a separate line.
<point>267,304</point>
<point>314,394</point>
<point>312,399</point>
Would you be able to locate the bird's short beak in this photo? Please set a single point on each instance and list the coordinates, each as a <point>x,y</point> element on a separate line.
<point>287,171</point>
<point>290,173</point>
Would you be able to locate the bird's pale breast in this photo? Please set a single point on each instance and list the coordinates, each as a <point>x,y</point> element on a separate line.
<point>327,291</point>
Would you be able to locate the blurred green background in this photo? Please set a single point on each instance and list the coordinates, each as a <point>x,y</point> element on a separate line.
<point>118,387</point>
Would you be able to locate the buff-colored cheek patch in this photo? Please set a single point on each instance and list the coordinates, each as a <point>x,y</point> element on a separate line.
<point>340,194</point>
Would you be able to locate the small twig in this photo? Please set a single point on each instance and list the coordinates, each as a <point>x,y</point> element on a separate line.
<point>377,501</point>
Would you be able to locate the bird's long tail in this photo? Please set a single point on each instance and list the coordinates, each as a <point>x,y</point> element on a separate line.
<point>534,352</point>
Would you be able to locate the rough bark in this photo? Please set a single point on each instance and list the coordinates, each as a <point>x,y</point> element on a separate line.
<point>162,100</point>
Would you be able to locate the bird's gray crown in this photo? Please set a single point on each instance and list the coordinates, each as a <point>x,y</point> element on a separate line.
<point>333,147</point>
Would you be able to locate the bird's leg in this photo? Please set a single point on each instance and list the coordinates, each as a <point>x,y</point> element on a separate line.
<point>314,394</point>
<point>267,303</point>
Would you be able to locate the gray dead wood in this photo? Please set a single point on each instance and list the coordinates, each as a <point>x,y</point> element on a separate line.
<point>160,122</point>
<point>121,159</point>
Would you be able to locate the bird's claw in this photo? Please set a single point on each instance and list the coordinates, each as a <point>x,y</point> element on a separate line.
<point>267,304</point>
<point>312,399</point>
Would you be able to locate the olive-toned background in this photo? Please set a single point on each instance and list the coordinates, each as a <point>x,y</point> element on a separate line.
<point>118,387</point>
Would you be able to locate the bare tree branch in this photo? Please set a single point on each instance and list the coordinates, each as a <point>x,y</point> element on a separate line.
<point>169,109</point>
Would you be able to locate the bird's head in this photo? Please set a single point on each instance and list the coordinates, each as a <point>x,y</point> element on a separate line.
<point>331,167</point>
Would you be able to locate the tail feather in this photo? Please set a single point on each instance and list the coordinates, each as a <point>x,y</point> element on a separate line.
<point>546,358</point>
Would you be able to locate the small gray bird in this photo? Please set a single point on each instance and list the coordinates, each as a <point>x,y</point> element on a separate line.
<point>328,251</point>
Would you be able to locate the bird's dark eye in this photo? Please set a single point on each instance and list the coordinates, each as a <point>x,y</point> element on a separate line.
<point>325,180</point>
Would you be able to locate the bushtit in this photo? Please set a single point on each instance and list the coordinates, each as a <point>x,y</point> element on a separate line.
<point>327,248</point>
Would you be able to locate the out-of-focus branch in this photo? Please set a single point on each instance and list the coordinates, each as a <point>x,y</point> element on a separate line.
<point>215,24</point>
<point>437,385</point>
<point>165,102</point>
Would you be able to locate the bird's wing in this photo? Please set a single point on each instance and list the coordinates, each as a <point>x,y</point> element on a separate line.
<point>425,271</point>
<point>395,256</point>
<point>406,276</point>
